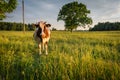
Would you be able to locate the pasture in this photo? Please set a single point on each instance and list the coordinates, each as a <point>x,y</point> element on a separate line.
<point>71,56</point>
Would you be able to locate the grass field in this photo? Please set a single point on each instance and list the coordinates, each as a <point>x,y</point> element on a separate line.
<point>72,56</point>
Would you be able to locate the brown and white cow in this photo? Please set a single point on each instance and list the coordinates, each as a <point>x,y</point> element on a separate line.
<point>42,36</point>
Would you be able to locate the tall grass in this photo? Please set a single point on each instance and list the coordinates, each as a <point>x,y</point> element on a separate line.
<point>72,56</point>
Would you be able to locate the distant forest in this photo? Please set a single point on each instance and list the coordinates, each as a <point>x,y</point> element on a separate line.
<point>12,26</point>
<point>107,26</point>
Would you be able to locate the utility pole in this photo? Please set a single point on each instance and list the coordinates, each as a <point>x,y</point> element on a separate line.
<point>23,16</point>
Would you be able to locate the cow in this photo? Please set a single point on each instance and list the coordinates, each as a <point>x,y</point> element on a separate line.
<point>42,36</point>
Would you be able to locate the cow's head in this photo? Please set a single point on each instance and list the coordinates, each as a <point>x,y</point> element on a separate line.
<point>42,24</point>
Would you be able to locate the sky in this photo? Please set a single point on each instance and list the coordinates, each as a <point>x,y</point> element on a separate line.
<point>47,10</point>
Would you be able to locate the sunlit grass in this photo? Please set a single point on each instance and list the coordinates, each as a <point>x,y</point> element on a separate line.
<point>72,56</point>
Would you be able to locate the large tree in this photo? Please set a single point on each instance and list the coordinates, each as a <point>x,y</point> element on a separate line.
<point>74,14</point>
<point>6,6</point>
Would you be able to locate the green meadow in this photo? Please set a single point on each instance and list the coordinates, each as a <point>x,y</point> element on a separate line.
<point>71,56</point>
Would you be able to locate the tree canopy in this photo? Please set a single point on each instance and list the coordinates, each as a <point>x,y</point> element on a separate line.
<point>7,6</point>
<point>74,14</point>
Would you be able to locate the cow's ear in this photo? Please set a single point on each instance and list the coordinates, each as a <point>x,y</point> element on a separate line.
<point>48,25</point>
<point>36,25</point>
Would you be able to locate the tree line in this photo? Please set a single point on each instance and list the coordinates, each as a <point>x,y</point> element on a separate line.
<point>13,26</point>
<point>106,26</point>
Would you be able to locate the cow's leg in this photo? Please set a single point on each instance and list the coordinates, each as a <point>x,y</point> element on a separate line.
<point>39,49</point>
<point>43,46</point>
<point>46,48</point>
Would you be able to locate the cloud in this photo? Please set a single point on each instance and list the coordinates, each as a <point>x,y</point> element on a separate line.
<point>47,6</point>
<point>104,10</point>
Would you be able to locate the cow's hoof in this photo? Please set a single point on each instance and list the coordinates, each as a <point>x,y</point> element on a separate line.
<point>40,53</point>
<point>46,54</point>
